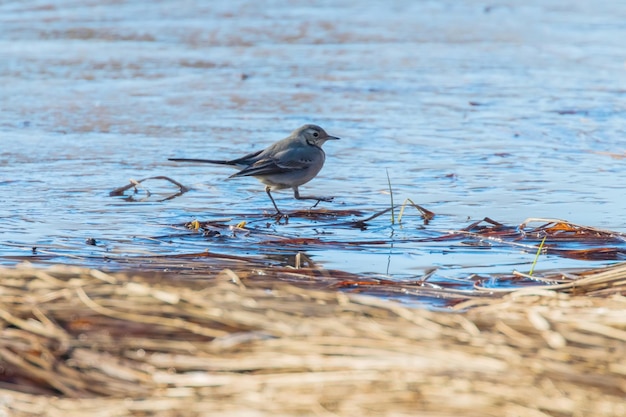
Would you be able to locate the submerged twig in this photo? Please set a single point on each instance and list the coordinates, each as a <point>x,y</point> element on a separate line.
<point>134,183</point>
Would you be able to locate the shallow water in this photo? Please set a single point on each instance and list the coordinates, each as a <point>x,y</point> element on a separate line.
<point>507,111</point>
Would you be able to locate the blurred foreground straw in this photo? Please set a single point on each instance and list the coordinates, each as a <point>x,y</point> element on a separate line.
<point>78,342</point>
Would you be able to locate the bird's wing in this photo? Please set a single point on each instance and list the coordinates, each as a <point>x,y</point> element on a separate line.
<point>289,160</point>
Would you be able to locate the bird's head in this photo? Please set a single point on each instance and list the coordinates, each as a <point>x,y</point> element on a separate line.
<point>313,135</point>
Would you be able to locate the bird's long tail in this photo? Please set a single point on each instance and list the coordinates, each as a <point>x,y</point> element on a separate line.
<point>207,161</point>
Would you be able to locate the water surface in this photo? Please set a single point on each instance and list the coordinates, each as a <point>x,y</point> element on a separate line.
<point>509,111</point>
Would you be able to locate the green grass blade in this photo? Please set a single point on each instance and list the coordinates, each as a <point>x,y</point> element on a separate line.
<point>532,268</point>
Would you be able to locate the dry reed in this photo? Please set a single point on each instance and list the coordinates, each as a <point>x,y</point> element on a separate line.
<point>81,342</point>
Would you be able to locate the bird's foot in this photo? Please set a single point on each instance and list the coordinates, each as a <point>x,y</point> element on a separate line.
<point>320,199</point>
<point>280,216</point>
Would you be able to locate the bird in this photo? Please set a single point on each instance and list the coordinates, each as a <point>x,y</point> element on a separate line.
<point>288,163</point>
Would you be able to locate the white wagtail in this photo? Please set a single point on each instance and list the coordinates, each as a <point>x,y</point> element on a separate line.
<point>288,163</point>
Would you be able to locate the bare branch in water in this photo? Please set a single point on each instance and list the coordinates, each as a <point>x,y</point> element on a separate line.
<point>134,183</point>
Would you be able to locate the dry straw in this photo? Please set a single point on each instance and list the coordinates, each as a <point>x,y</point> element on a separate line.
<point>79,342</point>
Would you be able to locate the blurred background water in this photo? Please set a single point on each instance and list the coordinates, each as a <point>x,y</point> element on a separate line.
<point>507,109</point>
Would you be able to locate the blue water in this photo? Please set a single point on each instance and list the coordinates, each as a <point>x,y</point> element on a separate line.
<point>511,111</point>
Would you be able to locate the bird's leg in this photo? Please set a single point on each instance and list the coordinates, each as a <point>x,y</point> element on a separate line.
<point>297,196</point>
<point>279,213</point>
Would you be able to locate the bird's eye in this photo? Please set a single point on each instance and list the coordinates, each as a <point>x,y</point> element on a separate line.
<point>315,134</point>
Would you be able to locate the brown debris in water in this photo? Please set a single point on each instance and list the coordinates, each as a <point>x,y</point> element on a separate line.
<point>614,155</point>
<point>564,230</point>
<point>76,342</point>
<point>555,231</point>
